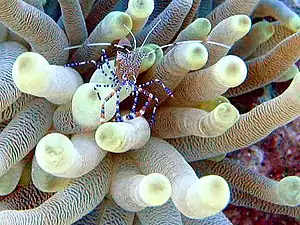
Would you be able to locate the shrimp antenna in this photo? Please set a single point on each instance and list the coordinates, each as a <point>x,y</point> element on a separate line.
<point>134,40</point>
<point>94,44</point>
<point>73,47</point>
<point>187,42</point>
<point>149,33</point>
<point>104,44</point>
<point>91,44</point>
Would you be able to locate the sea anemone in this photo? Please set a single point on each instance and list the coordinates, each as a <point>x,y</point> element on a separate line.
<point>132,112</point>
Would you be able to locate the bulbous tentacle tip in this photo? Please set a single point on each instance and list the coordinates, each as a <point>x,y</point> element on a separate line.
<point>210,105</point>
<point>55,154</point>
<point>140,9</point>
<point>235,70</point>
<point>289,190</point>
<point>110,136</point>
<point>155,189</point>
<point>116,20</point>
<point>195,54</point>
<point>26,68</point>
<point>226,113</point>
<point>243,23</point>
<point>208,196</point>
<point>294,23</point>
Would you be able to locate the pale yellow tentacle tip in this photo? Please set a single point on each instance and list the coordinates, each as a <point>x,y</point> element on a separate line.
<point>210,105</point>
<point>26,66</point>
<point>155,189</point>
<point>242,23</point>
<point>55,154</point>
<point>234,70</point>
<point>226,113</point>
<point>208,196</point>
<point>294,23</point>
<point>191,56</point>
<point>119,137</point>
<point>141,8</point>
<point>289,190</point>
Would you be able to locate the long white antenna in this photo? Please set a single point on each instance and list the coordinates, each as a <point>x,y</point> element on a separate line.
<point>96,44</point>
<point>134,40</point>
<point>217,43</point>
<point>99,44</point>
<point>149,33</point>
<point>90,44</point>
<point>106,44</point>
<point>72,47</point>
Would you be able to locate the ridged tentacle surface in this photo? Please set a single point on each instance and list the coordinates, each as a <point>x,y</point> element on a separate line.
<point>68,205</point>
<point>171,21</point>
<point>17,140</point>
<point>44,35</point>
<point>9,92</point>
